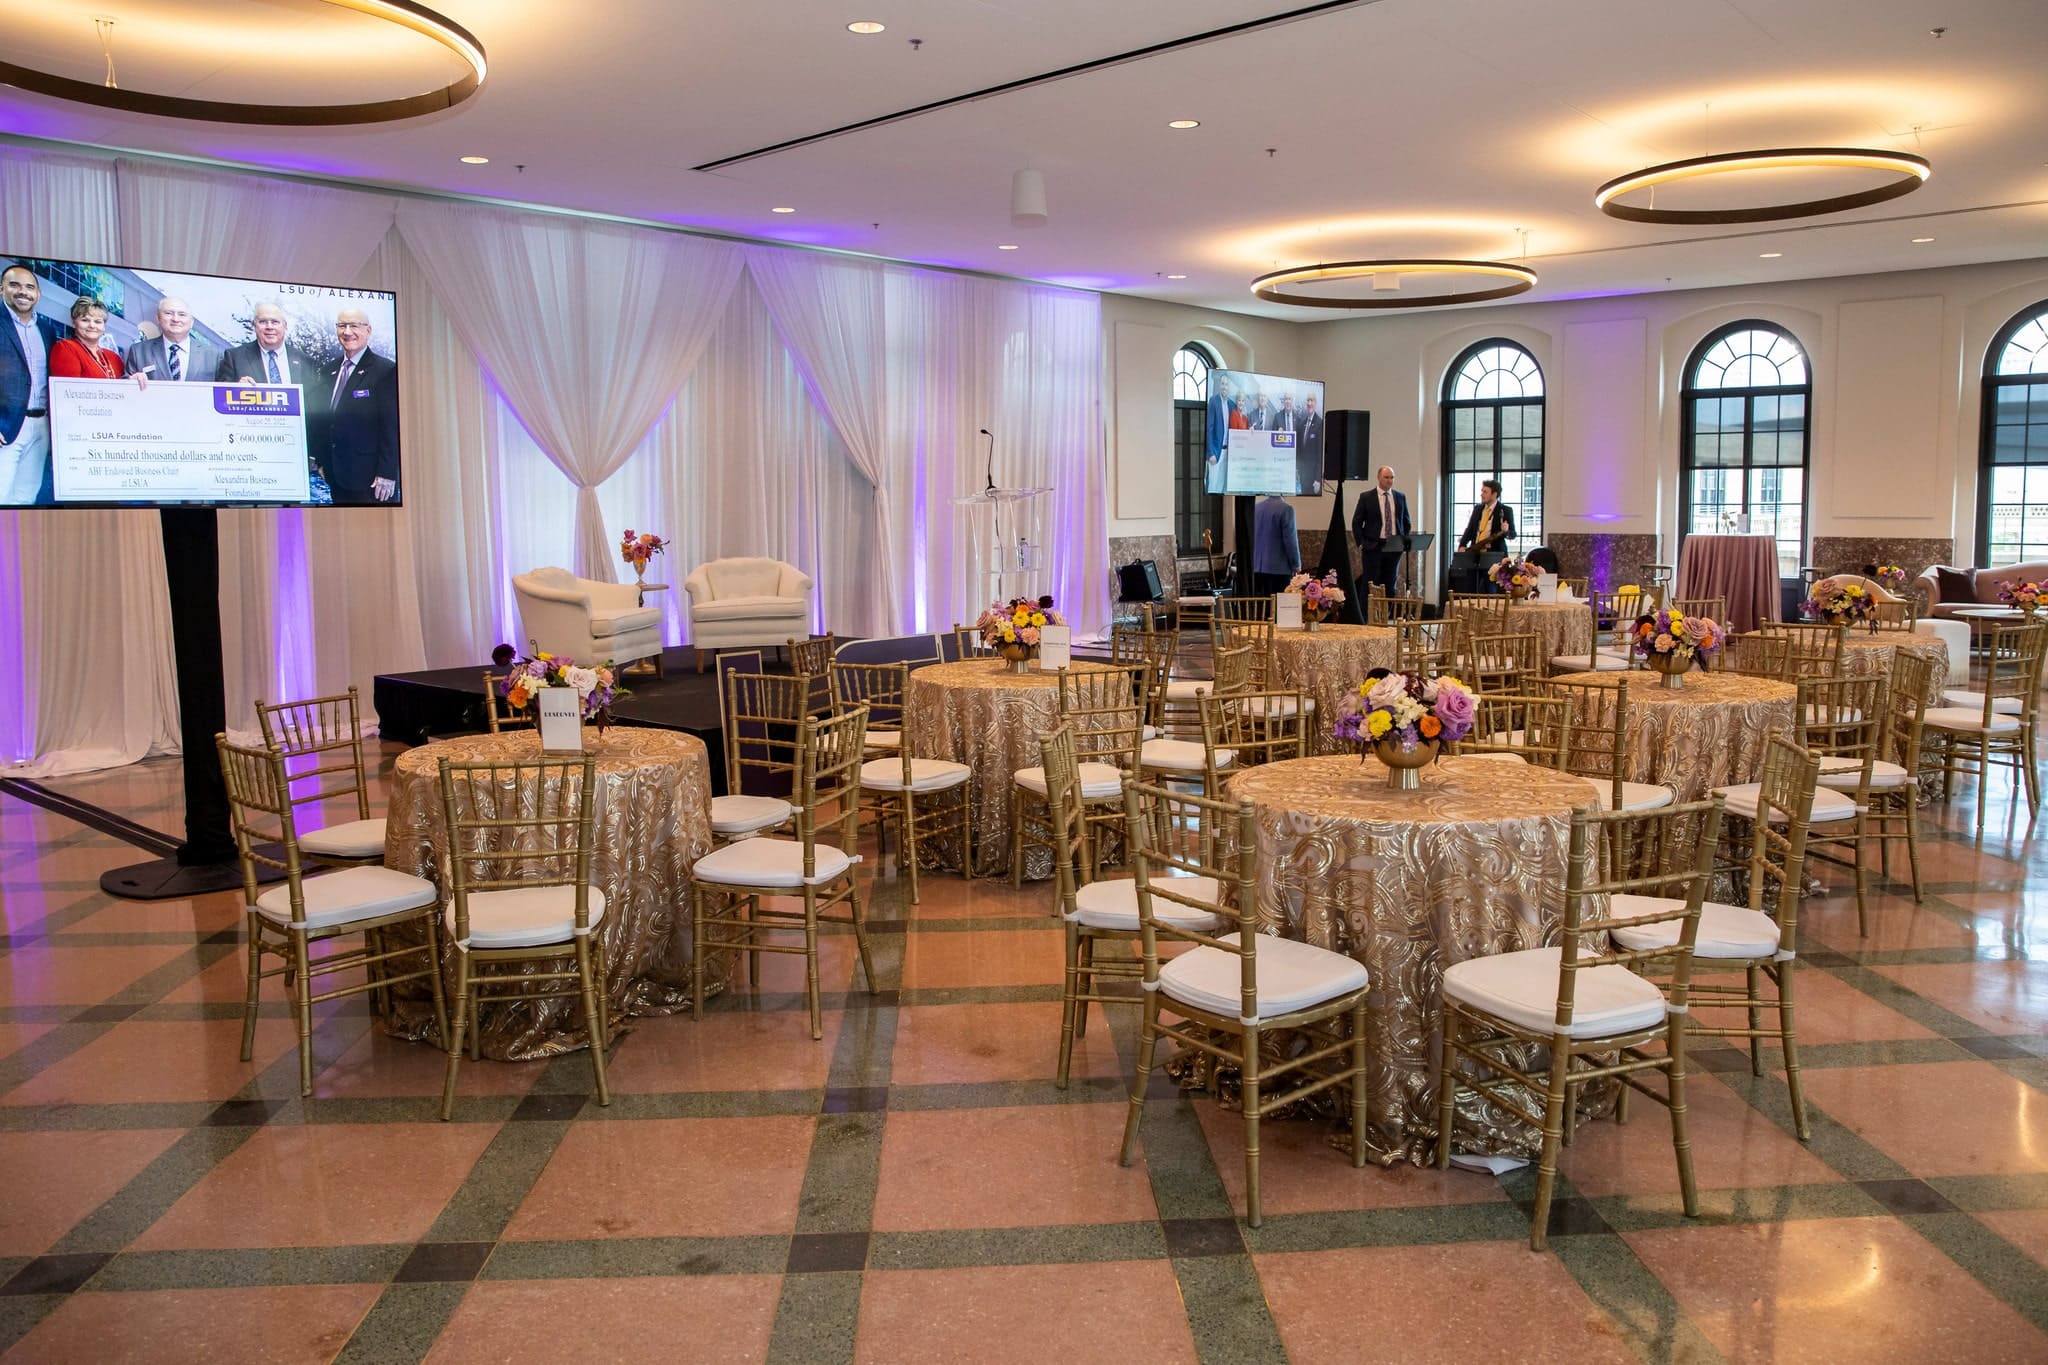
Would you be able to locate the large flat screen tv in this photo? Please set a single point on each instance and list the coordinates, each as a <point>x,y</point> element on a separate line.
<point>1265,434</point>
<point>127,387</point>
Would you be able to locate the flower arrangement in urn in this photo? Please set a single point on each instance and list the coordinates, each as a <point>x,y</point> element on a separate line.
<point>2022,594</point>
<point>1516,577</point>
<point>1891,577</point>
<point>1320,597</point>
<point>638,550</point>
<point>1671,642</point>
<point>1012,627</point>
<point>1403,719</point>
<point>596,685</point>
<point>1839,603</point>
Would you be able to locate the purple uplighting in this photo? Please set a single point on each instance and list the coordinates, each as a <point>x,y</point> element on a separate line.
<point>292,644</point>
<point>17,720</point>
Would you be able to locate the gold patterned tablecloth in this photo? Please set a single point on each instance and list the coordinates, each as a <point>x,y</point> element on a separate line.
<point>1864,655</point>
<point>653,804</point>
<point>1560,628</point>
<point>1710,733</point>
<point>1326,663</point>
<point>1409,883</point>
<point>979,713</point>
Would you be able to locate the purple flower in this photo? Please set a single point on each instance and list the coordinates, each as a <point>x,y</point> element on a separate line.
<point>1456,708</point>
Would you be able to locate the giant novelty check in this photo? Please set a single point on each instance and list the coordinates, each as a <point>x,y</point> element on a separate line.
<point>111,441</point>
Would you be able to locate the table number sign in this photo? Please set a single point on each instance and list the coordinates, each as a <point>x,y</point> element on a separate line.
<point>561,719</point>
<point>1287,611</point>
<point>1055,646</point>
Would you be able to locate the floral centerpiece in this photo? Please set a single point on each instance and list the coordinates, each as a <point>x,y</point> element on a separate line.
<point>1891,577</point>
<point>1404,719</point>
<point>2022,594</point>
<point>1012,627</point>
<point>1515,576</point>
<point>1839,603</point>
<point>596,685</point>
<point>1671,642</point>
<point>638,550</point>
<point>1320,597</point>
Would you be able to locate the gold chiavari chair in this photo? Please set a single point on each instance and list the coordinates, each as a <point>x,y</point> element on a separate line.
<point>497,714</point>
<point>1172,759</point>
<point>1103,713</point>
<point>812,659</point>
<point>745,875</point>
<point>1245,729</point>
<point>1584,998</point>
<point>1530,727</point>
<point>1581,588</point>
<point>1258,635</point>
<point>924,799</point>
<point>1601,743</point>
<point>1149,655</point>
<point>968,644</point>
<point>1758,941</point>
<point>1499,663</point>
<point>1225,992</point>
<point>521,835</point>
<point>1754,655</point>
<point>1097,912</point>
<point>761,718</point>
<point>885,690</point>
<point>1999,731</point>
<point>1479,613</point>
<point>1813,649</point>
<point>1842,723</point>
<point>1894,795</point>
<point>1715,609</point>
<point>1426,648</point>
<point>328,732</point>
<point>1234,609</point>
<point>1612,615</point>
<point>285,920</point>
<point>1386,611</point>
<point>1902,616</point>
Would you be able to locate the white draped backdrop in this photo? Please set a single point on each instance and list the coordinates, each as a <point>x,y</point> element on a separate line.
<point>563,380</point>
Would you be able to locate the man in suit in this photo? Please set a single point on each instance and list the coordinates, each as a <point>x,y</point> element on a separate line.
<point>1381,513</point>
<point>1492,523</point>
<point>1276,549</point>
<point>1308,447</point>
<point>359,436</point>
<point>1222,407</point>
<point>25,345</point>
<point>1261,418</point>
<point>269,359</point>
<point>1286,419</point>
<point>174,354</point>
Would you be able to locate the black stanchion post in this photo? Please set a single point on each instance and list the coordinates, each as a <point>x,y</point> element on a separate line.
<point>1337,556</point>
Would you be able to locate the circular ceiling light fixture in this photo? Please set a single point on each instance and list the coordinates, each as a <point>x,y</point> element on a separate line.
<point>1906,171</point>
<point>1500,279</point>
<point>476,161</point>
<point>865,27</point>
<point>403,14</point>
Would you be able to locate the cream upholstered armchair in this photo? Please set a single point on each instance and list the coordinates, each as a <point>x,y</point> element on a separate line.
<point>739,602</point>
<point>587,619</point>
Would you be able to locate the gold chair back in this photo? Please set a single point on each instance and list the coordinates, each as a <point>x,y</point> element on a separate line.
<point>968,644</point>
<point>1386,610</point>
<point>1424,647</point>
<point>1600,740</point>
<point>883,688</point>
<point>1258,635</point>
<point>1755,655</point>
<point>1715,609</point>
<point>828,777</point>
<point>1233,670</point>
<point>1255,727</point>
<point>258,786</point>
<point>1777,856</point>
<point>1149,655</point>
<point>328,732</point>
<point>1500,663</point>
<point>1244,609</point>
<point>521,824</point>
<point>762,714</point>
<point>812,659</point>
<point>1102,712</point>
<point>1902,616</point>
<point>1531,725</point>
<point>498,715</point>
<point>1813,649</point>
<point>1842,721</point>
<point>1068,819</point>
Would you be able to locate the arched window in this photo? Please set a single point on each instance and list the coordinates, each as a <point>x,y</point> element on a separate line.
<point>1745,399</point>
<point>2012,497</point>
<point>1493,429</point>
<point>1194,510</point>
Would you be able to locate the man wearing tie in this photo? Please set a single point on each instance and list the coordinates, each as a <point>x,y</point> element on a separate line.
<point>361,427</point>
<point>1492,523</point>
<point>174,354</point>
<point>1222,408</point>
<point>26,340</point>
<point>1308,448</point>
<point>1381,513</point>
<point>1261,418</point>
<point>269,359</point>
<point>1276,549</point>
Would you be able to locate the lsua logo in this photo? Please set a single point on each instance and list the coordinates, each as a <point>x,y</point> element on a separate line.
<point>279,402</point>
<point>1283,438</point>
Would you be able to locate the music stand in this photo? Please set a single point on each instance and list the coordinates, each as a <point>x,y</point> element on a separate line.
<point>1412,544</point>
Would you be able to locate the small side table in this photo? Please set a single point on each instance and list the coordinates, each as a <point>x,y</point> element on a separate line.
<point>646,666</point>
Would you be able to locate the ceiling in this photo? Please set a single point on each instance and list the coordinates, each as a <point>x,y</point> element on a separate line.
<point>1389,128</point>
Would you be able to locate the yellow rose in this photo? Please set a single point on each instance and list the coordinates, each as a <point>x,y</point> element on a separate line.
<point>1377,723</point>
<point>1037,618</point>
<point>1676,617</point>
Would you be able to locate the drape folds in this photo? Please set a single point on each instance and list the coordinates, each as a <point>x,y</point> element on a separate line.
<point>559,376</point>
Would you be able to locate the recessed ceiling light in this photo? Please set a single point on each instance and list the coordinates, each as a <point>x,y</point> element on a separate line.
<point>783,210</point>
<point>1185,123</point>
<point>1176,277</point>
<point>864,27</point>
<point>1006,246</point>
<point>1921,241</point>
<point>1769,255</point>
<point>476,161</point>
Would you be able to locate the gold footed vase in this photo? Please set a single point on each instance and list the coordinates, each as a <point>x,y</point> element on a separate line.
<point>1672,669</point>
<point>1018,657</point>
<point>1404,765</point>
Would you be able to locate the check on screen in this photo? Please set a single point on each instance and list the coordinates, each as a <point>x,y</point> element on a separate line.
<point>111,441</point>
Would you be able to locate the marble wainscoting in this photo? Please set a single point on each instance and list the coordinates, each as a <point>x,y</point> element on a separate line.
<point>1609,560</point>
<point>1158,549</point>
<point>1848,554</point>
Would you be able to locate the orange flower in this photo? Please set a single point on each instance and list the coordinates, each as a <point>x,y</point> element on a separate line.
<point>1430,726</point>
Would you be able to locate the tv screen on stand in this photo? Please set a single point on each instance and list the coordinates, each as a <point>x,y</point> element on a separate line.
<point>1265,434</point>
<point>158,388</point>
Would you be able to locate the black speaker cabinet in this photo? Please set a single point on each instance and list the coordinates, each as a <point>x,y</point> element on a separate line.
<point>1347,445</point>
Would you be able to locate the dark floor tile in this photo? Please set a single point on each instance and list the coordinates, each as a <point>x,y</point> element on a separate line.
<point>1907,1196</point>
<point>243,1113</point>
<point>1992,1048</point>
<point>1722,1059</point>
<point>1824,957</point>
<point>549,1108</point>
<point>1574,1217</point>
<point>1203,1237</point>
<point>106,1014</point>
<point>856,1099</point>
<point>815,1252</point>
<point>444,1261</point>
<point>55,1274</point>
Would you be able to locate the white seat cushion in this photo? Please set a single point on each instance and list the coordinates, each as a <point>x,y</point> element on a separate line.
<point>1840,772</point>
<point>731,815</point>
<point>1598,662</point>
<point>1833,715</point>
<point>1634,795</point>
<point>747,609</point>
<point>1291,976</point>
<point>1188,689</point>
<point>926,774</point>
<point>1099,781</point>
<point>883,739</point>
<point>525,917</point>
<point>769,862</point>
<point>1277,706</point>
<point>1194,599</point>
<point>1496,757</point>
<point>356,839</point>
<point>351,894</point>
<point>1725,930</point>
<point>606,623</point>
<point>1114,905</point>
<point>1521,989</point>
<point>1828,806</point>
<point>1148,732</point>
<point>1969,720</point>
<point>1974,701</point>
<point>1181,755</point>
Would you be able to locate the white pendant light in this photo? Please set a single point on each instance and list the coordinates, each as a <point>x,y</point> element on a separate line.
<point>1027,199</point>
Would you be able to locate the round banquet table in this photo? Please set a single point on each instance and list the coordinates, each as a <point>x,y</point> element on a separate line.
<point>1326,663</point>
<point>1560,628</point>
<point>653,821</point>
<point>1409,883</point>
<point>1864,654</point>
<point>979,713</point>
<point>1710,733</point>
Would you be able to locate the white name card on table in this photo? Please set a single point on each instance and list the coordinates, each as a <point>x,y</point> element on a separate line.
<point>561,720</point>
<point>1287,611</point>
<point>1055,646</point>
<point>1546,586</point>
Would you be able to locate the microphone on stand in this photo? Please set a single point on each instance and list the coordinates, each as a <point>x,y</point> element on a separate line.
<point>991,458</point>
